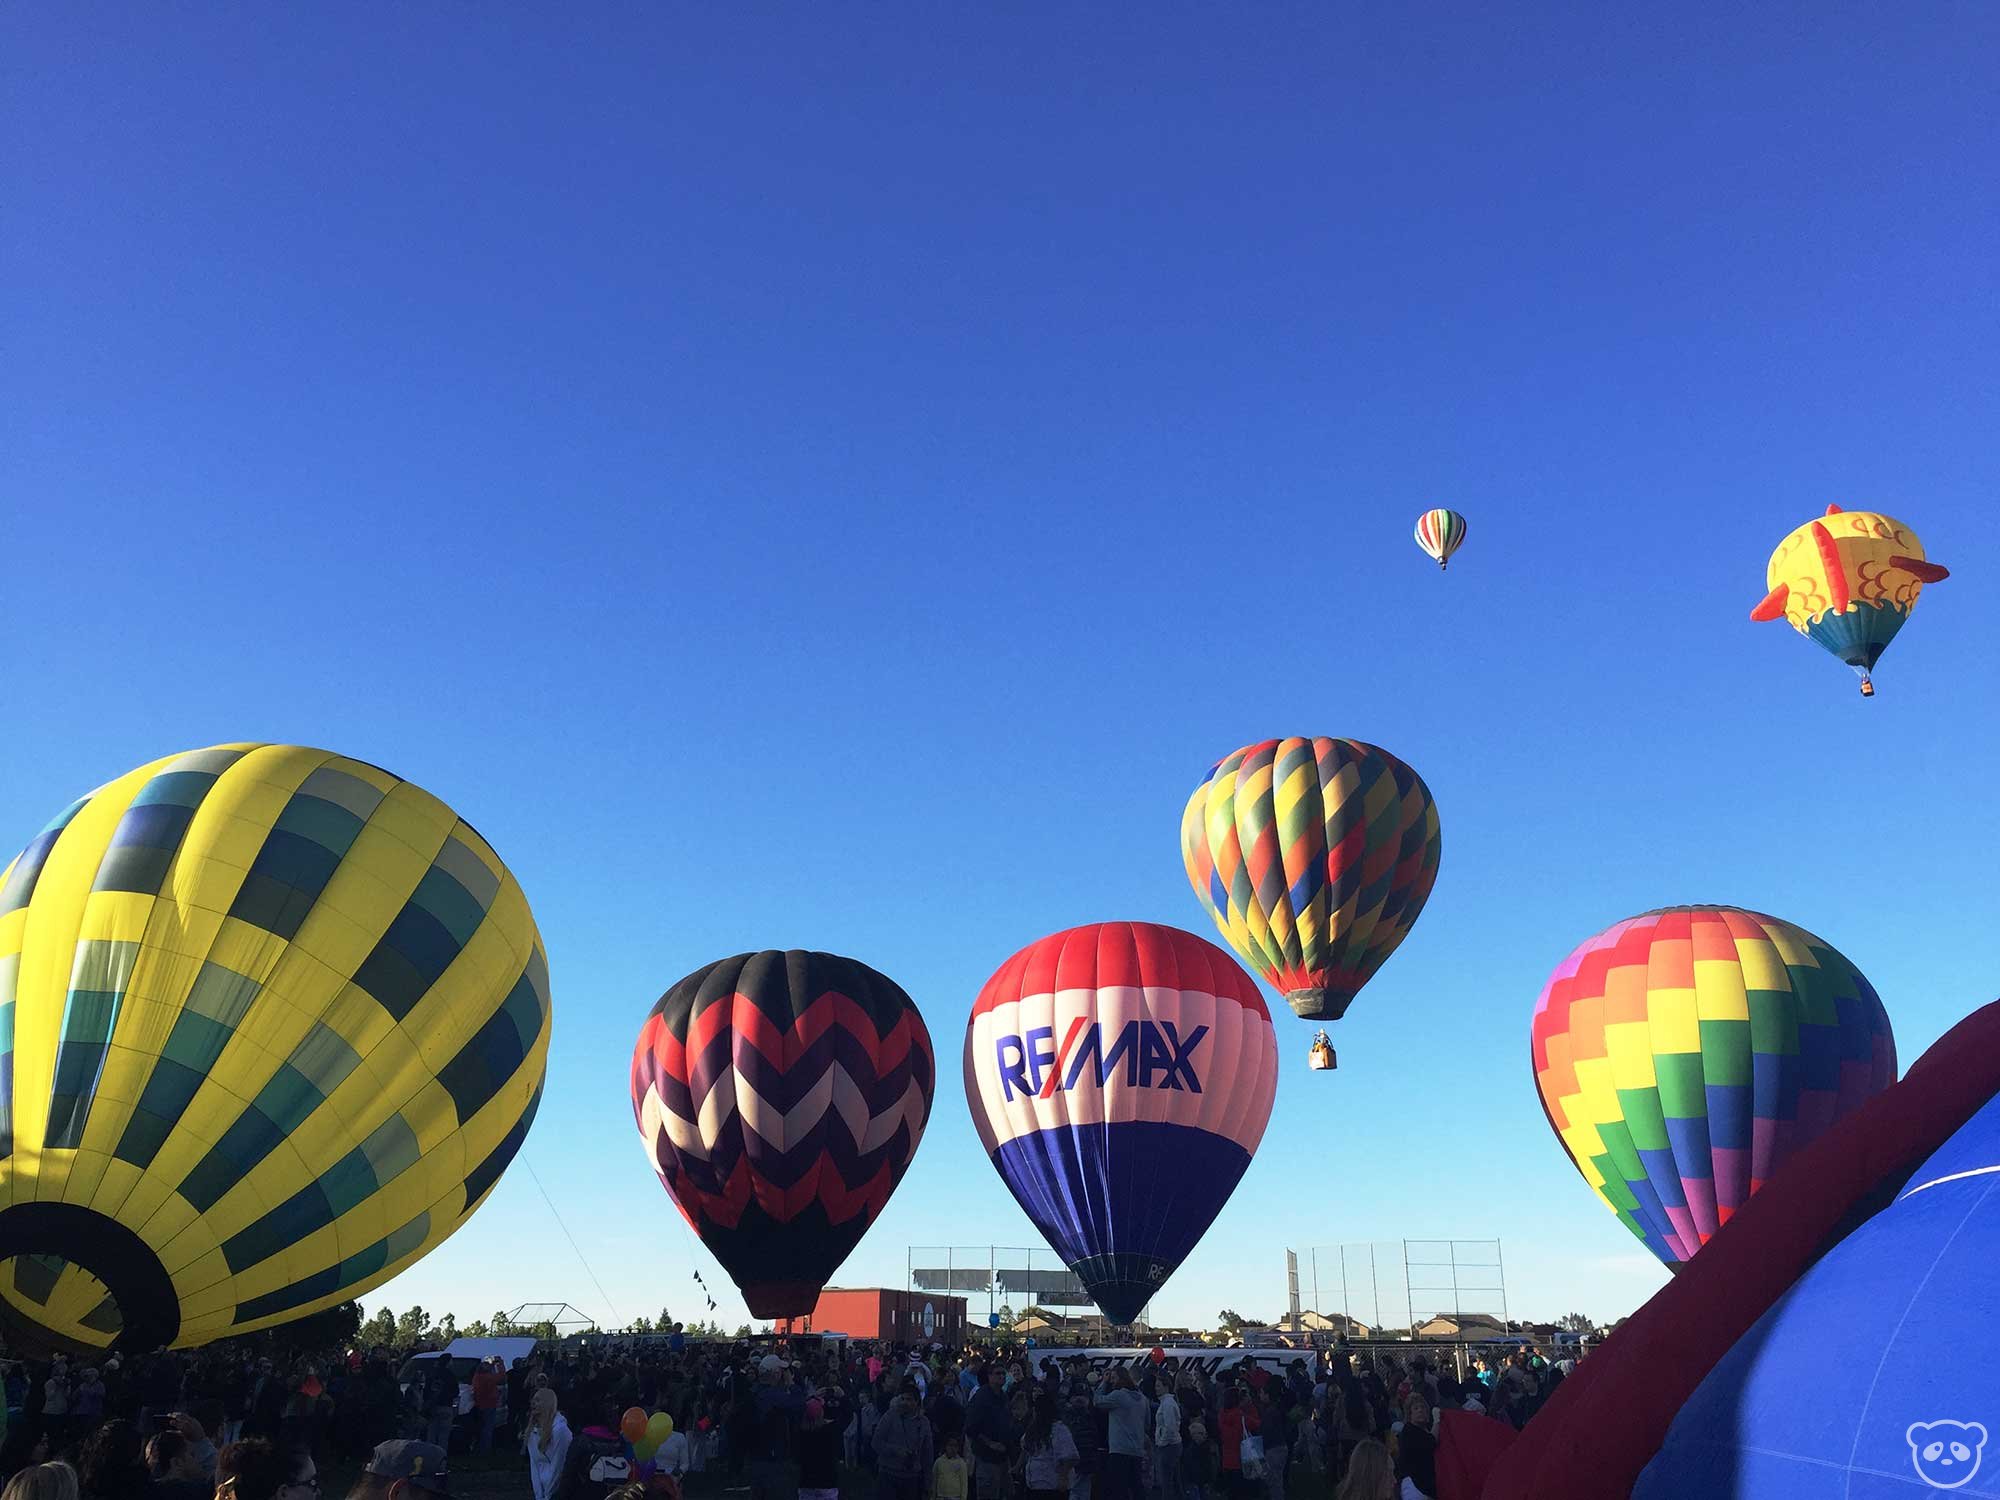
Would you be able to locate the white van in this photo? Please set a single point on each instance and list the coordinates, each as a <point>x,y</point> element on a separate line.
<point>466,1355</point>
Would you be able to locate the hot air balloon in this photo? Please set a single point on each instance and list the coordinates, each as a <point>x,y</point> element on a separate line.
<point>1120,1076</point>
<point>1315,858</point>
<point>781,1097</point>
<point>1441,533</point>
<point>1684,1054</point>
<point>1847,582</point>
<point>275,1023</point>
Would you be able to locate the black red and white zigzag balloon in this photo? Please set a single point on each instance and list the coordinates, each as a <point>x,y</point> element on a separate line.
<point>781,1097</point>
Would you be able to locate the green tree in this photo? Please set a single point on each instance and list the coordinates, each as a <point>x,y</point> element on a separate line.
<point>1576,1323</point>
<point>665,1322</point>
<point>474,1330</point>
<point>379,1330</point>
<point>1229,1320</point>
<point>330,1327</point>
<point>411,1327</point>
<point>445,1331</point>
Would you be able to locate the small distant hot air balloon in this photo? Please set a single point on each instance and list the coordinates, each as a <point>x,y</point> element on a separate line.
<point>1120,1077</point>
<point>1847,582</point>
<point>1683,1055</point>
<point>781,1097</point>
<point>1441,533</point>
<point>1315,858</point>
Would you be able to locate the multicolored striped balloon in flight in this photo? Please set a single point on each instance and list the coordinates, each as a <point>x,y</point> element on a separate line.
<point>1440,533</point>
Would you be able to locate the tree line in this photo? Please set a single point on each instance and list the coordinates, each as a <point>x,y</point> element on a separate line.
<point>416,1328</point>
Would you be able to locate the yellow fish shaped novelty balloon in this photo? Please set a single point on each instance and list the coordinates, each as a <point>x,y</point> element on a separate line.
<point>1847,582</point>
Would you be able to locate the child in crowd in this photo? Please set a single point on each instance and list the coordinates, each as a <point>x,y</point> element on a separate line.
<point>948,1474</point>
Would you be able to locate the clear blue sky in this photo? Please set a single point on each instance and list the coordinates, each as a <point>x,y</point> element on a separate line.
<point>837,477</point>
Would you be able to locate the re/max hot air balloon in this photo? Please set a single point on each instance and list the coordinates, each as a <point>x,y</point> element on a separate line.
<point>1315,858</point>
<point>1120,1077</point>
<point>272,1024</point>
<point>1847,582</point>
<point>1682,1055</point>
<point>781,1097</point>
<point>1440,533</point>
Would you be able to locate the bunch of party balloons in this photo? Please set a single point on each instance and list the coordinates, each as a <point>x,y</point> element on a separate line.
<point>646,1434</point>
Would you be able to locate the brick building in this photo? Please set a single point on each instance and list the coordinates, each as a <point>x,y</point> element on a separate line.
<point>878,1313</point>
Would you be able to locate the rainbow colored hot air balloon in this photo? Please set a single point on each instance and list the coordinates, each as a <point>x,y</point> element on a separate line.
<point>1847,582</point>
<point>1315,858</point>
<point>1120,1076</point>
<point>1440,533</point>
<point>272,1024</point>
<point>781,1097</point>
<point>1684,1054</point>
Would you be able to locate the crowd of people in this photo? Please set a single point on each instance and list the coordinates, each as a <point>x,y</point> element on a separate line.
<point>1023,1425</point>
<point>904,1423</point>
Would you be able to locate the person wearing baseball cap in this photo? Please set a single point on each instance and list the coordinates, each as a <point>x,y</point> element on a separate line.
<point>778,1408</point>
<point>404,1469</point>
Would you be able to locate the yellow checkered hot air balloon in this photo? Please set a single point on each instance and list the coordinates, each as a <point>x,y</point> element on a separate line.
<point>272,1023</point>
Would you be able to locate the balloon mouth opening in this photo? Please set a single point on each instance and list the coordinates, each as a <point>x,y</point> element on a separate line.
<point>781,1299</point>
<point>1320,1004</point>
<point>141,1311</point>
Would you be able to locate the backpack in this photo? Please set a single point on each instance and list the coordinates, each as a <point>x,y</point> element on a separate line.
<point>596,1465</point>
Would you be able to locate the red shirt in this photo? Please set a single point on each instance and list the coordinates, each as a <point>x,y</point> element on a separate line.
<point>485,1390</point>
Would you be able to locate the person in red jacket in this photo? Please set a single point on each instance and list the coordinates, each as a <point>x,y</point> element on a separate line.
<point>487,1384</point>
<point>1238,1418</point>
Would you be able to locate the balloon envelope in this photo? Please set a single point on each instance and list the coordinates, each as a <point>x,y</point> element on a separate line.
<point>276,1021</point>
<point>632,1426</point>
<point>1440,533</point>
<point>1682,1055</point>
<point>780,1097</point>
<point>1848,582</point>
<point>1908,1408</point>
<point>1120,1077</point>
<point>1315,858</point>
<point>659,1427</point>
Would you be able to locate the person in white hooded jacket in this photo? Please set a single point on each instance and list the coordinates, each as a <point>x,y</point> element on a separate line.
<point>547,1442</point>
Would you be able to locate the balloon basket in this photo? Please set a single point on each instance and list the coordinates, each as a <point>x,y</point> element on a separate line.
<point>1321,1058</point>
